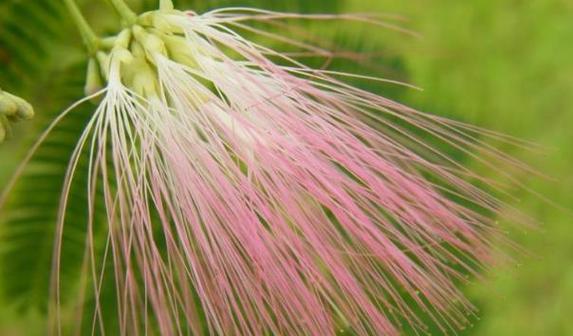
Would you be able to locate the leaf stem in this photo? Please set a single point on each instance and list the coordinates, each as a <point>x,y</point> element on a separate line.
<point>124,11</point>
<point>89,37</point>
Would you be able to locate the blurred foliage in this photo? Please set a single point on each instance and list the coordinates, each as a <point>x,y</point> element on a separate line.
<point>502,64</point>
<point>506,65</point>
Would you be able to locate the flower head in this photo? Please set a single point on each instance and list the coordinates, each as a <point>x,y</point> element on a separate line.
<point>248,191</point>
<point>12,109</point>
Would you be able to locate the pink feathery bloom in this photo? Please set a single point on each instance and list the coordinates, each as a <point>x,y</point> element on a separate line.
<point>249,194</point>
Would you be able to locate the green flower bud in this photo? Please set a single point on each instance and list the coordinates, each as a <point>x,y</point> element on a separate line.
<point>94,81</point>
<point>8,107</point>
<point>166,5</point>
<point>12,109</point>
<point>25,109</point>
<point>123,39</point>
<point>161,21</point>
<point>178,50</point>
<point>139,75</point>
<point>151,44</point>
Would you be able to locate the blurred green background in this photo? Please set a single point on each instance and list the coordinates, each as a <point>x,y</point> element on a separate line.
<point>506,65</point>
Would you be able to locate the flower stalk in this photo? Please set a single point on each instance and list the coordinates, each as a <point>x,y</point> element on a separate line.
<point>127,15</point>
<point>89,38</point>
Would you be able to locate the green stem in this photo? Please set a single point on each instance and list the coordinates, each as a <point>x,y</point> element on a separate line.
<point>89,37</point>
<point>124,11</point>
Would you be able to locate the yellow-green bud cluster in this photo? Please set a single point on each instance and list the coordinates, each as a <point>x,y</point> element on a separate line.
<point>12,109</point>
<point>133,53</point>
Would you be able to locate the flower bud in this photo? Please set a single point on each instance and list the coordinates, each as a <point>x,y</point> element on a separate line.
<point>123,39</point>
<point>94,82</point>
<point>12,109</point>
<point>178,50</point>
<point>166,5</point>
<point>7,105</point>
<point>161,21</point>
<point>152,44</point>
<point>25,109</point>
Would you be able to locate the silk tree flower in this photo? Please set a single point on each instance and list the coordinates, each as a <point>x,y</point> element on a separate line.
<point>249,194</point>
<point>12,109</point>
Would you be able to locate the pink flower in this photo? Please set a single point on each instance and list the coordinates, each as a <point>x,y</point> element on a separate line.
<point>266,198</point>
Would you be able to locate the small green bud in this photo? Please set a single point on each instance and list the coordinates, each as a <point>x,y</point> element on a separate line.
<point>138,51</point>
<point>166,5</point>
<point>25,109</point>
<point>139,75</point>
<point>151,44</point>
<point>104,61</point>
<point>178,50</point>
<point>161,21</point>
<point>123,39</point>
<point>12,109</point>
<point>94,80</point>
<point>120,52</point>
<point>123,56</point>
<point>7,105</point>
<point>146,19</point>
<point>145,83</point>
